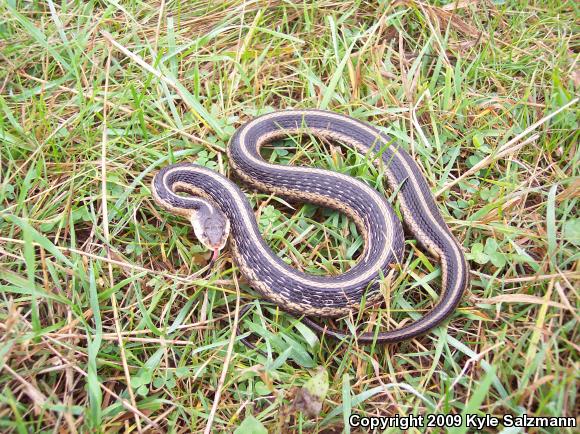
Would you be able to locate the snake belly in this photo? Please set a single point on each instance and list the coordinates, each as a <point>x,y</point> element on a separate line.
<point>325,296</point>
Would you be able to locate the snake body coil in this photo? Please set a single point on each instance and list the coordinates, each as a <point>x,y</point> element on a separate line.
<point>323,296</point>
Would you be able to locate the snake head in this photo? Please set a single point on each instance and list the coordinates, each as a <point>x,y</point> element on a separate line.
<point>212,228</point>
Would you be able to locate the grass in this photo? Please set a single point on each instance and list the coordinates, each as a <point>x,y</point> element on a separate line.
<point>107,320</point>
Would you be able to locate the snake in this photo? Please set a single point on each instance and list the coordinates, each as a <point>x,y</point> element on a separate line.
<point>221,214</point>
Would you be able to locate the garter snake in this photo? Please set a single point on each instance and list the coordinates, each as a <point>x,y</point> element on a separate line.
<point>216,206</point>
